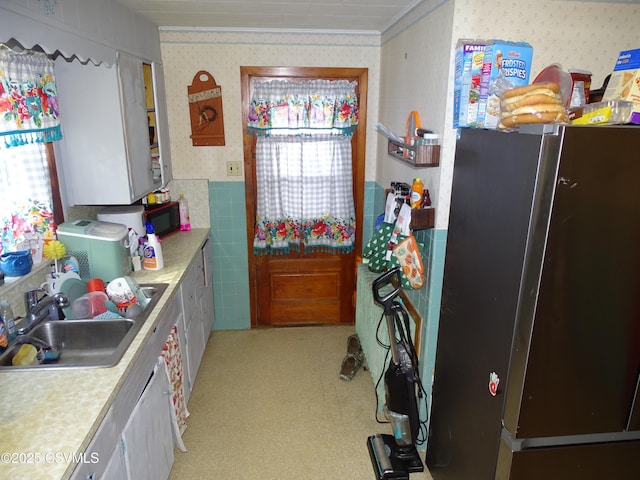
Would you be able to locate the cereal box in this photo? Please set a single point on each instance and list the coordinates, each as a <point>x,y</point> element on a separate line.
<point>506,64</point>
<point>468,71</point>
<point>624,83</point>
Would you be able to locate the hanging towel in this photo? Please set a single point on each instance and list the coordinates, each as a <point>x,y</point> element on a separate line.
<point>173,367</point>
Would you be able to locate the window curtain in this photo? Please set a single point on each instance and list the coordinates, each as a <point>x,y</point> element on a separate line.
<point>313,105</point>
<point>303,165</point>
<point>305,195</point>
<point>28,99</point>
<point>26,211</point>
<point>28,118</point>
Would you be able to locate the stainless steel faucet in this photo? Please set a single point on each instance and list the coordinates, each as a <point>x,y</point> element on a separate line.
<point>37,308</point>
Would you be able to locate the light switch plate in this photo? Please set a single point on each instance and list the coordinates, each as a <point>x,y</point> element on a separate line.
<point>234,169</point>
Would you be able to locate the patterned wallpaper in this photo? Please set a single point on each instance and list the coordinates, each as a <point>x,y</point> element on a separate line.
<point>222,53</point>
<point>410,68</point>
<point>576,34</point>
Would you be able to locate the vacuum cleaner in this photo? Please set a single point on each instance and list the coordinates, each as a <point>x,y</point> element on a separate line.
<point>395,456</point>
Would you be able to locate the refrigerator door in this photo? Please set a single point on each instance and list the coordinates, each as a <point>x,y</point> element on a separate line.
<point>577,353</point>
<point>493,185</point>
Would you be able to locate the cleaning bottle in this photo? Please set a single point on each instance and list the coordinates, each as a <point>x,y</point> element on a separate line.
<point>6,312</point>
<point>185,221</point>
<point>416,192</point>
<point>4,337</point>
<point>153,259</point>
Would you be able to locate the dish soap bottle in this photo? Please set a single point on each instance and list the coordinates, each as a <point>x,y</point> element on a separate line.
<point>416,192</point>
<point>9,320</point>
<point>183,207</point>
<point>152,253</point>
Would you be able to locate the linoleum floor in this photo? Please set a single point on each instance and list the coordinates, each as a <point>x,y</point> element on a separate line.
<point>268,404</point>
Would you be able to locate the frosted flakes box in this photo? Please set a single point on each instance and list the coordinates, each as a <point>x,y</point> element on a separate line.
<point>466,90</point>
<point>624,83</point>
<point>505,65</point>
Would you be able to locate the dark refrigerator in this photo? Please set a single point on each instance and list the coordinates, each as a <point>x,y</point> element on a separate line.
<point>541,291</point>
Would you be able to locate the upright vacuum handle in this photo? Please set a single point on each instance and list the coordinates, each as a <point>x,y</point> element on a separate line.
<point>382,281</point>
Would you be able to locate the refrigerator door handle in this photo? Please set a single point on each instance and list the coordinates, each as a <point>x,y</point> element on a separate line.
<point>633,420</point>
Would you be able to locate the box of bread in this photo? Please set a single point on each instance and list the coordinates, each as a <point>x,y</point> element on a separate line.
<point>624,83</point>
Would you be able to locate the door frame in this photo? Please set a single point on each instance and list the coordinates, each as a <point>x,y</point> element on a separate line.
<point>247,75</point>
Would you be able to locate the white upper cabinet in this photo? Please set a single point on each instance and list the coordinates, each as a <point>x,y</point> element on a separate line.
<point>115,146</point>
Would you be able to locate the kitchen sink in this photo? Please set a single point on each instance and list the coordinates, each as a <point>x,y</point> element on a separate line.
<point>86,343</point>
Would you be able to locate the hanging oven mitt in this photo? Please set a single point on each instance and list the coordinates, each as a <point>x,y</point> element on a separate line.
<point>408,255</point>
<point>405,252</point>
<point>374,252</point>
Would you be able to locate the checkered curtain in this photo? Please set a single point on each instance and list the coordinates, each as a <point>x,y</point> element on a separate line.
<point>305,194</point>
<point>26,212</point>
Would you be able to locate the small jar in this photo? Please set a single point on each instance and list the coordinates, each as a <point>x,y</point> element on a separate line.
<point>430,139</point>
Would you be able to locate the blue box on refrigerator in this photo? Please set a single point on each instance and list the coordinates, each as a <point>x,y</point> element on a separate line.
<point>507,64</point>
<point>466,90</point>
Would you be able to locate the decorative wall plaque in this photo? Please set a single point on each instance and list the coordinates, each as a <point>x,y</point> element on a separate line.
<point>205,111</point>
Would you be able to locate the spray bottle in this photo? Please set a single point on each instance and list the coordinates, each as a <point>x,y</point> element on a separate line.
<point>152,259</point>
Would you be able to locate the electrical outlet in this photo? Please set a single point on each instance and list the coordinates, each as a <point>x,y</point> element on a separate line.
<point>234,169</point>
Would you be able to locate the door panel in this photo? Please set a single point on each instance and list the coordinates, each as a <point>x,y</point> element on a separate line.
<point>299,288</point>
<point>303,290</point>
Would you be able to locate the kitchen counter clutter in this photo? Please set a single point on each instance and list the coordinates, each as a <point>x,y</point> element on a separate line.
<point>48,418</point>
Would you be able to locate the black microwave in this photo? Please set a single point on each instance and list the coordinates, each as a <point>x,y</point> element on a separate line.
<point>165,218</point>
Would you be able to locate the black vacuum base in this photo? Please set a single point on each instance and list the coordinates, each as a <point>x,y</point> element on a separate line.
<point>391,461</point>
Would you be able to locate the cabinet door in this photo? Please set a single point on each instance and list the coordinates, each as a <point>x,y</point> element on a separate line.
<point>101,446</point>
<point>148,437</point>
<point>92,152</point>
<point>196,343</point>
<point>134,110</point>
<point>162,122</point>
<point>116,466</point>
<point>208,307</point>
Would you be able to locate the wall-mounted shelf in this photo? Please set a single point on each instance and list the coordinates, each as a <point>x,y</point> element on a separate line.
<point>415,155</point>
<point>421,218</point>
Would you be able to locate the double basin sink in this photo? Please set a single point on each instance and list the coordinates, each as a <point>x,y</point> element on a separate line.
<point>86,343</point>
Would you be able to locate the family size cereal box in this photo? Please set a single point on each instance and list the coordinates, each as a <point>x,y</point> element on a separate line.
<point>624,83</point>
<point>466,89</point>
<point>505,65</point>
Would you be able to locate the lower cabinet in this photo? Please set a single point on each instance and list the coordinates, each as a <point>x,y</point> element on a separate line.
<point>147,438</point>
<point>136,439</point>
<point>197,305</point>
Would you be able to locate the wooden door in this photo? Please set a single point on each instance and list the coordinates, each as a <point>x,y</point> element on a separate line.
<point>303,288</point>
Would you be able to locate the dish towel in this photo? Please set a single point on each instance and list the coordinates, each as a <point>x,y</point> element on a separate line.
<point>173,366</point>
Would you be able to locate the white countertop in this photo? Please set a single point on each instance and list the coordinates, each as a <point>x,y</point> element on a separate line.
<point>47,417</point>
